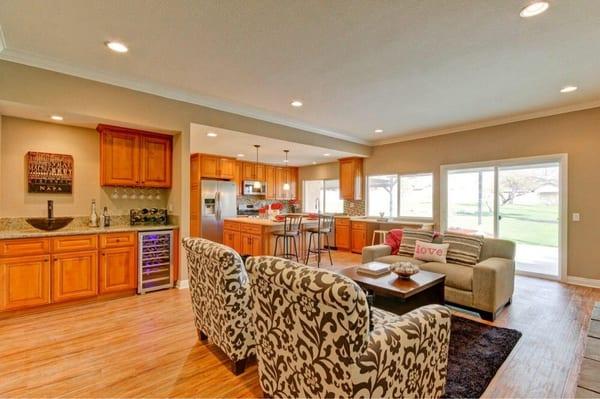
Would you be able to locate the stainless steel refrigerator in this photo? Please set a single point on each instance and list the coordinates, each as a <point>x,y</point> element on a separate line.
<point>218,201</point>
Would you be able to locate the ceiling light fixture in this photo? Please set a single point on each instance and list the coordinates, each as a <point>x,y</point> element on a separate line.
<point>314,162</point>
<point>327,155</point>
<point>286,185</point>
<point>256,184</point>
<point>378,130</point>
<point>296,103</point>
<point>56,118</point>
<point>117,47</point>
<point>533,9</point>
<point>568,89</point>
<point>240,155</point>
<point>211,134</point>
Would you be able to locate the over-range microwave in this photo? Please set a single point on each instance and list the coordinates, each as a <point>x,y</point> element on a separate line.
<point>251,189</point>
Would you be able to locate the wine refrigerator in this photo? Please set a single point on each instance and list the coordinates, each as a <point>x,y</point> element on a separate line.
<point>155,260</point>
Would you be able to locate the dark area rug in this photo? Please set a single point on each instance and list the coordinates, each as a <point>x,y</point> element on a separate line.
<point>476,353</point>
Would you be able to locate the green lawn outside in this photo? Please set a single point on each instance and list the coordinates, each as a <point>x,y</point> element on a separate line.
<point>531,224</point>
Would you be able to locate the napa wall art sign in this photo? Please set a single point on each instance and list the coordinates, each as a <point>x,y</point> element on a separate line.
<point>49,173</point>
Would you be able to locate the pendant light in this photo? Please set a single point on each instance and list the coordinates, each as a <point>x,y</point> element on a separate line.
<point>286,185</point>
<point>257,183</point>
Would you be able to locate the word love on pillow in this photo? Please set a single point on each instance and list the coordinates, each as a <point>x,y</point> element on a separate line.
<point>431,252</point>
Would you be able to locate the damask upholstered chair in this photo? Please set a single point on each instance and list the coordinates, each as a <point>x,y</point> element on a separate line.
<point>312,338</point>
<point>221,299</point>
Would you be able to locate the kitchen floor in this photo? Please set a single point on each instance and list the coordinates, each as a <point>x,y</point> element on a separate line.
<point>146,346</point>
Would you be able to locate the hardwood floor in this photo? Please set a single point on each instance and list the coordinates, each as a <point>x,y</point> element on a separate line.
<point>146,346</point>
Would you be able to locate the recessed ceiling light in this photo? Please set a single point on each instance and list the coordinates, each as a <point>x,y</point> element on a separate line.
<point>117,47</point>
<point>56,118</point>
<point>533,9</point>
<point>326,155</point>
<point>568,89</point>
<point>296,103</point>
<point>211,134</point>
<point>285,161</point>
<point>240,155</point>
<point>378,130</point>
<point>314,162</point>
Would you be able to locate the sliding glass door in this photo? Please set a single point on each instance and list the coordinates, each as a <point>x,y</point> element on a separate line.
<point>529,214</point>
<point>520,200</point>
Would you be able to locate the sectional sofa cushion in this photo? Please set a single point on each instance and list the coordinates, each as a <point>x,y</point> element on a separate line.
<point>389,259</point>
<point>463,249</point>
<point>409,240</point>
<point>457,276</point>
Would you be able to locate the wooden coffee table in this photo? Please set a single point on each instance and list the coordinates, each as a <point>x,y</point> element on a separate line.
<point>399,295</point>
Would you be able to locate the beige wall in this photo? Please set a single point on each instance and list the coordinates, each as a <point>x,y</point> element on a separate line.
<point>576,133</point>
<point>20,136</point>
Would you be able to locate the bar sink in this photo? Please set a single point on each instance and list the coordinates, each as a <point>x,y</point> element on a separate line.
<point>49,224</point>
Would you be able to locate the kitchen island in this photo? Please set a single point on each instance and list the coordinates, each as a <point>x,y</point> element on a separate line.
<point>254,236</point>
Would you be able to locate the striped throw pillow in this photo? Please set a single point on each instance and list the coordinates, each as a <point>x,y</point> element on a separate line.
<point>409,240</point>
<point>463,249</point>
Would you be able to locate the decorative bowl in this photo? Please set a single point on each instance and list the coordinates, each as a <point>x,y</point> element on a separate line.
<point>404,269</point>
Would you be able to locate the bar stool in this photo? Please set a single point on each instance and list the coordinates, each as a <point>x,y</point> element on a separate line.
<point>381,238</point>
<point>291,231</point>
<point>324,225</point>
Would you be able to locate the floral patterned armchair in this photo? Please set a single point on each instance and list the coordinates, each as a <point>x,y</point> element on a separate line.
<point>313,340</point>
<point>221,299</point>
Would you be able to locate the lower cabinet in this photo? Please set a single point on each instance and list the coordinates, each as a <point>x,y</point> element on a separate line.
<point>74,275</point>
<point>342,234</point>
<point>233,239</point>
<point>118,265</point>
<point>251,244</point>
<point>24,282</point>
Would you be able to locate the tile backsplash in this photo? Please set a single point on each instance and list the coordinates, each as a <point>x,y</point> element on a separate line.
<point>354,208</point>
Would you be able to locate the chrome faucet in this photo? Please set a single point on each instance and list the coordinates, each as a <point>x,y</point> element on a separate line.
<point>50,209</point>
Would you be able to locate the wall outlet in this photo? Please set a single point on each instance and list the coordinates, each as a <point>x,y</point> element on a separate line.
<point>576,217</point>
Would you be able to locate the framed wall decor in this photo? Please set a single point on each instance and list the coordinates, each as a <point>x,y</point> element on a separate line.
<point>49,173</point>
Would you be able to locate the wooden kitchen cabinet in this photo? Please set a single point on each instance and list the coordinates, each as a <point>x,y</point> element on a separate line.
<point>271,182</point>
<point>342,234</point>
<point>251,244</point>
<point>217,167</point>
<point>118,262</point>
<point>74,243</point>
<point>251,171</point>
<point>118,270</point>
<point>351,178</point>
<point>156,161</point>
<point>74,275</point>
<point>24,282</point>
<point>239,177</point>
<point>361,234</point>
<point>134,158</point>
<point>232,239</point>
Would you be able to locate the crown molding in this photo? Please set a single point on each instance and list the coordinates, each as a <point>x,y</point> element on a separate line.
<point>26,58</point>
<point>489,123</point>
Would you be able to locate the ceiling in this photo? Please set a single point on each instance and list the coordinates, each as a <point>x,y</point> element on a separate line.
<point>230,143</point>
<point>410,67</point>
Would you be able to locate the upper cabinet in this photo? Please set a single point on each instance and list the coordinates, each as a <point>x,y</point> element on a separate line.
<point>252,171</point>
<point>351,178</point>
<point>134,158</point>
<point>216,167</point>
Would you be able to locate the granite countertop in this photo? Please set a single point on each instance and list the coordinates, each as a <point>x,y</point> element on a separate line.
<point>79,230</point>
<point>262,222</point>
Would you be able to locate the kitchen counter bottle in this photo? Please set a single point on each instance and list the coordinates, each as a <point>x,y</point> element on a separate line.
<point>94,219</point>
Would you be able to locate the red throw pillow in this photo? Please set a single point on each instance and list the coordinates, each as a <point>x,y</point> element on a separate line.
<point>393,239</point>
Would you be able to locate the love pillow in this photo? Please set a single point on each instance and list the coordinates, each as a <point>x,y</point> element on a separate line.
<point>431,252</point>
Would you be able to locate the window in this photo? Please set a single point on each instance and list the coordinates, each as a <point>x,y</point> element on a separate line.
<point>382,192</point>
<point>328,194</point>
<point>405,196</point>
<point>416,196</point>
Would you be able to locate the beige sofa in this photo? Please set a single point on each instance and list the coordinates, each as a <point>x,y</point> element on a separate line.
<point>486,287</point>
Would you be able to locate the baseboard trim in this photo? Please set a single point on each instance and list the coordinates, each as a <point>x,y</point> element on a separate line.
<point>586,282</point>
<point>183,284</point>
